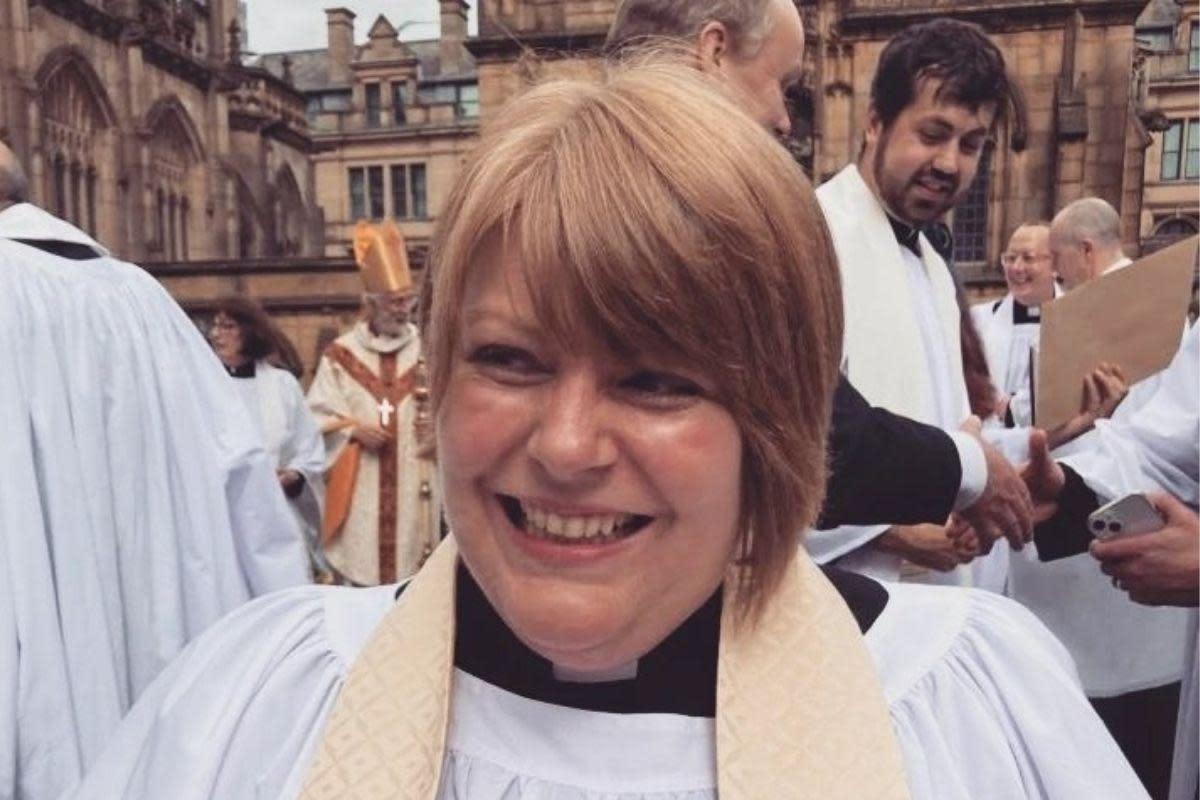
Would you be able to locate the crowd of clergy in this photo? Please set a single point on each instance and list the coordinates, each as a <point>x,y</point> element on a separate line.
<point>643,490</point>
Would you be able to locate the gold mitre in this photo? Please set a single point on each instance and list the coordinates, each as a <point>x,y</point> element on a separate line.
<point>382,258</point>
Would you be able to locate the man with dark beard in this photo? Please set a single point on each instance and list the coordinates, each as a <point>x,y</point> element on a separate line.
<point>937,96</point>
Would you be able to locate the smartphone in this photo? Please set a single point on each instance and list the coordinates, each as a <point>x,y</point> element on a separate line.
<point>1127,516</point>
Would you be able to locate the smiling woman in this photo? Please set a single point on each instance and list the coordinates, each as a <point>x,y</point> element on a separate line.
<point>632,327</point>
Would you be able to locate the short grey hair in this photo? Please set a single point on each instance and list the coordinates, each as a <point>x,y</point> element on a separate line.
<point>640,21</point>
<point>1090,218</point>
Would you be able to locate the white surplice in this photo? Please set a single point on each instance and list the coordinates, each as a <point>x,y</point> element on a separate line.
<point>1119,646</point>
<point>985,704</point>
<point>1008,348</point>
<point>902,345</point>
<point>137,505</point>
<point>277,406</point>
<point>1158,448</point>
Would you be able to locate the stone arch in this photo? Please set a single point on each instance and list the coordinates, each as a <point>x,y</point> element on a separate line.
<point>289,212</point>
<point>1177,226</point>
<point>75,117</point>
<point>249,220</point>
<point>168,120</point>
<point>173,149</point>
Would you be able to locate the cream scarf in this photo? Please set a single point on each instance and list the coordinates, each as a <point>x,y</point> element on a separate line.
<point>800,712</point>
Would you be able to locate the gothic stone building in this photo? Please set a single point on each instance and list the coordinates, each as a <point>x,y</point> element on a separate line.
<point>1074,59</point>
<point>391,121</point>
<point>137,122</point>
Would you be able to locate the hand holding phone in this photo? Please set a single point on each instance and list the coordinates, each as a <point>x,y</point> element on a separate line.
<point>1126,516</point>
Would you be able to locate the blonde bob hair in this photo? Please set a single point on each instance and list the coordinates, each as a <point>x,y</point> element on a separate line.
<point>650,214</point>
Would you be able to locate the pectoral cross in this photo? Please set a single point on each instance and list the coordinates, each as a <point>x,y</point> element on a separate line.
<point>385,412</point>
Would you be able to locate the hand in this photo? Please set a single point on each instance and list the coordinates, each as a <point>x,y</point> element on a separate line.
<point>372,437</point>
<point>1161,568</point>
<point>1103,390</point>
<point>1043,477</point>
<point>288,478</point>
<point>1004,510</point>
<point>925,545</point>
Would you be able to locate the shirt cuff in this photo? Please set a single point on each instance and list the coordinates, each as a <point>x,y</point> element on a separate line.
<point>974,469</point>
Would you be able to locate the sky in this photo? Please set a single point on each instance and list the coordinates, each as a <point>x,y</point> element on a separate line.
<point>275,25</point>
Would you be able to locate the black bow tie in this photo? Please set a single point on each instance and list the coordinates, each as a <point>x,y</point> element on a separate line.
<point>906,235</point>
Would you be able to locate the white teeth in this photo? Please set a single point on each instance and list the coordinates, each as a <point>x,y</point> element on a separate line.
<point>546,523</point>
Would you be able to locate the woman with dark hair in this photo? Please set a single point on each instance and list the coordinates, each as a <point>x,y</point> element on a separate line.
<point>247,341</point>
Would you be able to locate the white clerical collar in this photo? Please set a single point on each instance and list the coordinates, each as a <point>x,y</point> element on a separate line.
<point>1120,263</point>
<point>27,221</point>
<point>383,344</point>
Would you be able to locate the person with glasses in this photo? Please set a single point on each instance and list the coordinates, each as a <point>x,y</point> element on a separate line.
<point>1009,326</point>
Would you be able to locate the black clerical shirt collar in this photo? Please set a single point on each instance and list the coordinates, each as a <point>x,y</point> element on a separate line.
<point>677,677</point>
<point>907,235</point>
<point>244,370</point>
<point>1026,315</point>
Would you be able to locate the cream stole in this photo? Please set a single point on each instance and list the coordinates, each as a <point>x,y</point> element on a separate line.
<point>800,712</point>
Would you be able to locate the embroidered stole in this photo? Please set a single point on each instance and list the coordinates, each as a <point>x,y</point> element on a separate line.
<point>800,712</point>
<point>386,386</point>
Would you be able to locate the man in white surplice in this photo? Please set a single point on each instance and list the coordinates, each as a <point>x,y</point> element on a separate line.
<point>137,505</point>
<point>1009,326</point>
<point>1130,657</point>
<point>935,100</point>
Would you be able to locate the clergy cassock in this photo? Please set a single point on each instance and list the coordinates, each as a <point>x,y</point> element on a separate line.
<point>1009,331</point>
<point>901,347</point>
<point>276,405</point>
<point>137,504</point>
<point>327,692</point>
<point>391,522</point>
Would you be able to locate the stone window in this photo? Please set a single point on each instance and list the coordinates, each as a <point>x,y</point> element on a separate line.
<point>73,127</point>
<point>172,157</point>
<point>358,194</point>
<point>375,192</point>
<point>1181,151</point>
<point>1194,48</point>
<point>408,191</point>
<point>374,97</point>
<point>971,216</point>
<point>399,102</point>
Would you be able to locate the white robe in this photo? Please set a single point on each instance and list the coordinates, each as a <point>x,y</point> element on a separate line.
<point>1119,646</point>
<point>336,396</point>
<point>277,407</point>
<point>902,347</point>
<point>984,702</point>
<point>137,505</point>
<point>1158,448</point>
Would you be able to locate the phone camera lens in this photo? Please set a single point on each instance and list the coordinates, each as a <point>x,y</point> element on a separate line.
<point>1115,527</point>
<point>1098,525</point>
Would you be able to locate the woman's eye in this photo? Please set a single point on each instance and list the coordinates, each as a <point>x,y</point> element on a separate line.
<point>661,386</point>
<point>507,360</point>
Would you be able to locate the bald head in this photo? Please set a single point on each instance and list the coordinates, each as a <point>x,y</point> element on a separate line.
<point>1085,240</point>
<point>14,188</point>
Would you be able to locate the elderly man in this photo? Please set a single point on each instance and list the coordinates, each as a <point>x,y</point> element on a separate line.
<point>886,468</point>
<point>1085,241</point>
<point>381,516</point>
<point>1009,327</point>
<point>1130,657</point>
<point>137,506</point>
